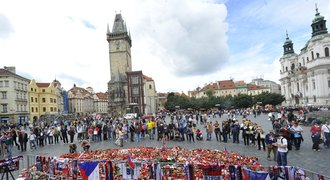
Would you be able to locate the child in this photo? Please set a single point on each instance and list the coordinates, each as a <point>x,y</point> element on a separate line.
<point>85,145</point>
<point>72,148</point>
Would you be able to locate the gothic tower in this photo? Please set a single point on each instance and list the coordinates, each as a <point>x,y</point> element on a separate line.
<point>120,44</point>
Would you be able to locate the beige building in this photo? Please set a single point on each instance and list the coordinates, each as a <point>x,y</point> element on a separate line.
<point>81,101</point>
<point>101,102</point>
<point>228,87</point>
<point>43,99</point>
<point>150,95</point>
<point>14,104</point>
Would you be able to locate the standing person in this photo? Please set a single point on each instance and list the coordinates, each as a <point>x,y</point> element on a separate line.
<point>32,141</point>
<point>71,133</point>
<point>235,131</point>
<point>64,135</point>
<point>217,131</point>
<point>208,131</point>
<point>9,144</point>
<point>190,132</point>
<point>326,134</point>
<point>50,136</point>
<point>296,130</point>
<point>270,140</point>
<point>260,136</point>
<point>22,139</point>
<point>282,150</point>
<point>132,130</point>
<point>316,135</point>
<point>14,135</point>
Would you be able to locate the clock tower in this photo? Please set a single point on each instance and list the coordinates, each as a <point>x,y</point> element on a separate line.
<point>120,43</point>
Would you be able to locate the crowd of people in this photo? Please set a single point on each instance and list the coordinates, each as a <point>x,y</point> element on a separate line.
<point>285,135</point>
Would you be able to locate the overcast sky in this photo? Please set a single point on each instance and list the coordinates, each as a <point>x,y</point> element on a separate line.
<point>181,44</point>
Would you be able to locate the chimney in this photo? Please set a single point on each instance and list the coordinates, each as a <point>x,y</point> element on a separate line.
<point>11,69</point>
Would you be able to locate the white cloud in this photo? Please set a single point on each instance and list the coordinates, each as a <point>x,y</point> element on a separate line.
<point>66,40</point>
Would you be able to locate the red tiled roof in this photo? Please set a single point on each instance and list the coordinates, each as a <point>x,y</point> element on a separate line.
<point>147,78</point>
<point>254,87</point>
<point>43,84</point>
<point>101,95</point>
<point>194,92</point>
<point>83,91</point>
<point>226,84</point>
<point>211,86</point>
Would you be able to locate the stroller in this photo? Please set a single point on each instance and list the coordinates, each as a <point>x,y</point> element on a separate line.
<point>199,135</point>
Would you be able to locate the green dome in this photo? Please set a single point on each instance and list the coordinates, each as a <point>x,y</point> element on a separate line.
<point>287,41</point>
<point>318,18</point>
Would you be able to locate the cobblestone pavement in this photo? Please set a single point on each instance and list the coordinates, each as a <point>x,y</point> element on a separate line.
<point>304,158</point>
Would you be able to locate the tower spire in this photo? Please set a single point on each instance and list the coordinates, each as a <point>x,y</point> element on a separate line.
<point>319,25</point>
<point>288,45</point>
<point>286,32</point>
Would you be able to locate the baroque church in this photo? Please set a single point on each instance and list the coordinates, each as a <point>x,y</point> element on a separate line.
<point>127,91</point>
<point>305,77</point>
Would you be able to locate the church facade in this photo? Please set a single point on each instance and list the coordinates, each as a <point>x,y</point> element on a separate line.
<point>305,77</point>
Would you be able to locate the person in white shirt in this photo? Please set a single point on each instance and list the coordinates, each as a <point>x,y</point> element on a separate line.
<point>282,150</point>
<point>325,129</point>
<point>32,140</point>
<point>296,131</point>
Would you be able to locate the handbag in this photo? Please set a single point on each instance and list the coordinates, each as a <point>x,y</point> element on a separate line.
<point>296,135</point>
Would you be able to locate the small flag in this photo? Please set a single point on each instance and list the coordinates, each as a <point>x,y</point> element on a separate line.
<point>130,162</point>
<point>225,150</point>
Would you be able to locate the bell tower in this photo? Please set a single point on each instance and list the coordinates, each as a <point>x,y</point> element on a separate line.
<point>288,45</point>
<point>120,43</point>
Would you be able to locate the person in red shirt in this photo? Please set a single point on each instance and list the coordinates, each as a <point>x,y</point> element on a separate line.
<point>316,135</point>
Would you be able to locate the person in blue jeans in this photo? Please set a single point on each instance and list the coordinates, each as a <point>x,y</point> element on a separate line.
<point>326,134</point>
<point>282,150</point>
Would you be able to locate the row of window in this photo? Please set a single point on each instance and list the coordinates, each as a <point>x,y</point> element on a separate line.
<point>19,108</point>
<point>44,109</point>
<point>21,86</point>
<point>51,100</point>
<point>326,54</point>
<point>4,83</point>
<point>20,95</point>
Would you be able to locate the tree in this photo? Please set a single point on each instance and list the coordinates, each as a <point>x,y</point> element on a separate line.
<point>269,98</point>
<point>242,101</point>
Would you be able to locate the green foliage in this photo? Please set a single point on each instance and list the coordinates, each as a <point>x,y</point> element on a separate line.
<point>242,101</point>
<point>269,98</point>
<point>239,101</point>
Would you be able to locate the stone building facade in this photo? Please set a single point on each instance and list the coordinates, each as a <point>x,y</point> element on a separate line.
<point>14,96</point>
<point>305,77</point>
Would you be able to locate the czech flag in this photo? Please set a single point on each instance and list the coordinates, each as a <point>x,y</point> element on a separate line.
<point>89,170</point>
<point>130,162</point>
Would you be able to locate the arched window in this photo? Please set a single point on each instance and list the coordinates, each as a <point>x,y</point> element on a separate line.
<point>326,51</point>
<point>317,55</point>
<point>312,55</point>
<point>286,68</point>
